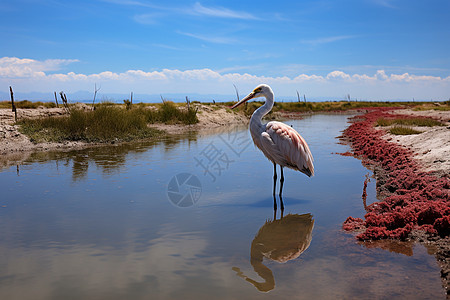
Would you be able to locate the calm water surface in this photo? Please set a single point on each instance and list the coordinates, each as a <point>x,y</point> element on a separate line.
<point>193,218</point>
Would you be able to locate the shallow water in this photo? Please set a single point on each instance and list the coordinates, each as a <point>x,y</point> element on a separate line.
<point>193,218</point>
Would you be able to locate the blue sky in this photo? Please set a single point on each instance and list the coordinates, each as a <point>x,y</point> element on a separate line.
<point>370,49</point>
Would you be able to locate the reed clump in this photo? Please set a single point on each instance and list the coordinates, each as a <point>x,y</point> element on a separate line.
<point>402,130</point>
<point>169,113</point>
<point>106,123</point>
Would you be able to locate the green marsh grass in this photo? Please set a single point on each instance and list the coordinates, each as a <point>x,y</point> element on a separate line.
<point>402,130</point>
<point>409,122</point>
<point>402,126</point>
<point>442,106</point>
<point>170,113</point>
<point>105,124</point>
<point>27,104</point>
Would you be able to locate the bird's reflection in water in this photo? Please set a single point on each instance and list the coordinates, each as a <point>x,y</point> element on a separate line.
<point>279,240</point>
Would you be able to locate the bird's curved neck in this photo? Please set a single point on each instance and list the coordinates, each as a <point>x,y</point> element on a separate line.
<point>263,110</point>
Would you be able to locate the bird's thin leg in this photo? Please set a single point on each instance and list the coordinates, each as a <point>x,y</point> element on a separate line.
<point>281,189</point>
<point>274,185</point>
<point>281,180</point>
<point>274,177</point>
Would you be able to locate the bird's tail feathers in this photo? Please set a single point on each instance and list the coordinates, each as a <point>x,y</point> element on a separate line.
<point>307,171</point>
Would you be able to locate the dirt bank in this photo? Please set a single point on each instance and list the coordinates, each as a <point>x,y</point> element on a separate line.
<point>431,148</point>
<point>13,142</point>
<point>412,179</point>
<point>209,117</point>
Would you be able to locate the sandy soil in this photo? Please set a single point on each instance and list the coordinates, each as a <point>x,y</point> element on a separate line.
<point>14,145</point>
<point>431,147</point>
<point>210,118</point>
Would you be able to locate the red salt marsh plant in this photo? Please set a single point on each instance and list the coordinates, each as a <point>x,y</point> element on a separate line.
<point>418,200</point>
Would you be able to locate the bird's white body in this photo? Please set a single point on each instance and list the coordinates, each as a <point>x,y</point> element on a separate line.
<point>282,145</point>
<point>279,142</point>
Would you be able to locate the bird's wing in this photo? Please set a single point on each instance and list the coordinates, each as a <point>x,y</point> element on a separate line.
<point>287,147</point>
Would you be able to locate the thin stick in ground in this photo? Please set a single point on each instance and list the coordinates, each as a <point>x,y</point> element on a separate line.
<point>95,94</point>
<point>13,106</point>
<point>64,100</point>
<point>56,100</point>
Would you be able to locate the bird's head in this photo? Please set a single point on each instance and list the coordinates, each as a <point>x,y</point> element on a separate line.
<point>262,90</point>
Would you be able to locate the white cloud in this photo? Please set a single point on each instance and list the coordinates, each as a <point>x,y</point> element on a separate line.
<point>131,3</point>
<point>381,75</point>
<point>147,19</point>
<point>211,39</point>
<point>338,75</point>
<point>304,77</point>
<point>385,3</point>
<point>24,67</point>
<point>221,12</point>
<point>327,40</point>
<point>28,75</point>
<point>197,10</point>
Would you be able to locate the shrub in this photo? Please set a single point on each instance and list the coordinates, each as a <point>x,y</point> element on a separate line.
<point>401,130</point>
<point>106,123</point>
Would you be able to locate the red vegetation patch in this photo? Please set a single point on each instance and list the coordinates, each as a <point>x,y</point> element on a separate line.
<point>418,200</point>
<point>345,153</point>
<point>352,224</point>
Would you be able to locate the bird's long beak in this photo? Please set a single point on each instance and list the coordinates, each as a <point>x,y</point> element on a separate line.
<point>245,99</point>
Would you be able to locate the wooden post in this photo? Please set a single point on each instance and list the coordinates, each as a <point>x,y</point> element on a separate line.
<point>237,93</point>
<point>187,102</point>
<point>64,100</point>
<point>95,94</point>
<point>56,100</point>
<point>13,106</point>
<point>131,99</point>
<point>298,96</point>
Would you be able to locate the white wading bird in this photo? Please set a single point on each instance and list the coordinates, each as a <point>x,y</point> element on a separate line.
<point>280,143</point>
